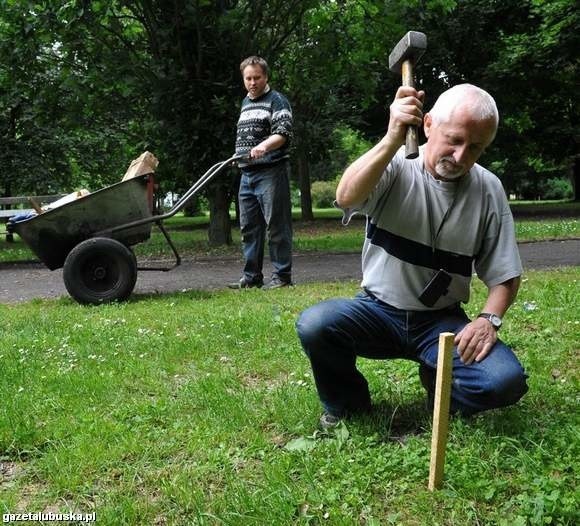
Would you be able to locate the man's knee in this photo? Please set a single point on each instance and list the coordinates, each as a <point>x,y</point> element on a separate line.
<point>309,325</point>
<point>314,325</point>
<point>510,386</point>
<point>503,388</point>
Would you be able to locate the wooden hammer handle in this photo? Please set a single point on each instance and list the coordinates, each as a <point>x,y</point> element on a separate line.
<point>412,141</point>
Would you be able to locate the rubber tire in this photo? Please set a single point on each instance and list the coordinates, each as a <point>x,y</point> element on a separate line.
<point>100,270</point>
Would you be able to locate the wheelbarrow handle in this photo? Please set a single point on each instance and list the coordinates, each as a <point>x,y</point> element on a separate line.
<point>197,186</point>
<point>241,157</point>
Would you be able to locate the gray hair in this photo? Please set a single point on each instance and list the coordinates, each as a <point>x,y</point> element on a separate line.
<point>480,103</point>
<point>254,61</point>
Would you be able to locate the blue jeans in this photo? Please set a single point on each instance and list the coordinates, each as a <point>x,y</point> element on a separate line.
<point>334,333</point>
<point>265,207</point>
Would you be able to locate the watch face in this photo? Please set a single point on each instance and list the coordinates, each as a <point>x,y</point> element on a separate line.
<point>494,319</point>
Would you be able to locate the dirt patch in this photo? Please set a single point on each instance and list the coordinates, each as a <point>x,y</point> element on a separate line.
<point>9,471</point>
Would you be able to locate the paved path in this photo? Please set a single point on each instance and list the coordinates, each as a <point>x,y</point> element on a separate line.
<point>29,281</point>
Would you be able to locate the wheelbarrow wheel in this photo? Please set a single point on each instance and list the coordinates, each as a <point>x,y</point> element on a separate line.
<point>100,270</point>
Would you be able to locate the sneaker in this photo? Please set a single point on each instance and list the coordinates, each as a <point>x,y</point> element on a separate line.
<point>245,284</point>
<point>328,421</point>
<point>427,377</point>
<point>277,283</point>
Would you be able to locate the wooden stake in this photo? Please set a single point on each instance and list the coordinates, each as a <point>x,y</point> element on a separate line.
<point>441,409</point>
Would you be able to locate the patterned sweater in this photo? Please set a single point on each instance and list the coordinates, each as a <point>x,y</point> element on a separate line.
<point>266,115</point>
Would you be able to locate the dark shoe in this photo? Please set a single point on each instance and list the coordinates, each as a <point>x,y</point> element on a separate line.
<point>427,377</point>
<point>245,284</point>
<point>277,283</point>
<point>328,421</point>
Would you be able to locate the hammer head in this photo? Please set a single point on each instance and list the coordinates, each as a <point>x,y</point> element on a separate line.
<point>410,47</point>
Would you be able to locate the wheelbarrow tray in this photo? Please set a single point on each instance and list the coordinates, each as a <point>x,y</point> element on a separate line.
<point>54,233</point>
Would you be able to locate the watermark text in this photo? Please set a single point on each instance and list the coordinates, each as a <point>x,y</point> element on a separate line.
<point>49,516</point>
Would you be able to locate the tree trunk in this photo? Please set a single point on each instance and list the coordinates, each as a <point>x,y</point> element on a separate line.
<point>304,185</point>
<point>576,178</point>
<point>220,228</point>
<point>192,208</point>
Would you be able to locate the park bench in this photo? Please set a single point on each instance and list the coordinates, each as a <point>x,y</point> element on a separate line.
<point>12,206</point>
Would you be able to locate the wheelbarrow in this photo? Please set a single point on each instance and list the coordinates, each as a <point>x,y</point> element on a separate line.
<point>91,238</point>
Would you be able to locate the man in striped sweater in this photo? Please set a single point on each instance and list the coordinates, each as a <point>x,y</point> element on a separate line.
<point>263,136</point>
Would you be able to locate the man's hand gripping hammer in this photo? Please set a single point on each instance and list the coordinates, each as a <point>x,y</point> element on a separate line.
<point>402,60</point>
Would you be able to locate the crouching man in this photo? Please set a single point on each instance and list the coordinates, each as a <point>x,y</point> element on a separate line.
<point>430,222</point>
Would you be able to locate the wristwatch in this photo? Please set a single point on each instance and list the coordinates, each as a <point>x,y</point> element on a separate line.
<point>494,319</point>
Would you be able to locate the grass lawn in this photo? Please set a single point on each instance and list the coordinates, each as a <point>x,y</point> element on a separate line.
<point>325,234</point>
<point>199,408</point>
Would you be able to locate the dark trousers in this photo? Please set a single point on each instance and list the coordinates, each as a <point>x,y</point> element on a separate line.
<point>336,332</point>
<point>265,209</point>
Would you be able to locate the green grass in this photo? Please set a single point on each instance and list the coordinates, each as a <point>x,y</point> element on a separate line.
<point>325,233</point>
<point>534,230</point>
<point>199,408</point>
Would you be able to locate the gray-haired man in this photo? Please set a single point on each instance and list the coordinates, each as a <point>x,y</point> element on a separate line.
<point>430,222</point>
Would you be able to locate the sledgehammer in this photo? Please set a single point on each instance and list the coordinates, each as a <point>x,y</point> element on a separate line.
<point>402,60</point>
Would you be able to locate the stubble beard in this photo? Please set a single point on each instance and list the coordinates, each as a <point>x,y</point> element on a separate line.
<point>447,169</point>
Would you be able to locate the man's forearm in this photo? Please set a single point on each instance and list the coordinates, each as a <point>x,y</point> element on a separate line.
<point>477,338</point>
<point>267,145</point>
<point>501,296</point>
<point>273,142</point>
<point>360,178</point>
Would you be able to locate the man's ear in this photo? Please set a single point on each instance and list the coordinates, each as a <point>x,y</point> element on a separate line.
<point>427,123</point>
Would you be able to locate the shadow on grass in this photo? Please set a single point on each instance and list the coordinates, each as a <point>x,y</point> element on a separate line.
<point>400,423</point>
<point>394,423</point>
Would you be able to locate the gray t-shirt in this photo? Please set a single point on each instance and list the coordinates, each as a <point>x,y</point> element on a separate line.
<point>469,223</point>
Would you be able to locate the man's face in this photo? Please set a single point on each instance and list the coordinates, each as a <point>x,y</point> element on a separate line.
<point>255,80</point>
<point>453,147</point>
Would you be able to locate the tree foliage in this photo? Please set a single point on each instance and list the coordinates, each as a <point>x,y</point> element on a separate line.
<point>63,122</point>
<point>330,75</point>
<point>525,54</point>
<point>29,107</point>
<point>86,86</point>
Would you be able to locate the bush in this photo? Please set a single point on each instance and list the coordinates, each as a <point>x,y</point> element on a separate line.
<point>558,189</point>
<point>345,145</point>
<point>323,193</point>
